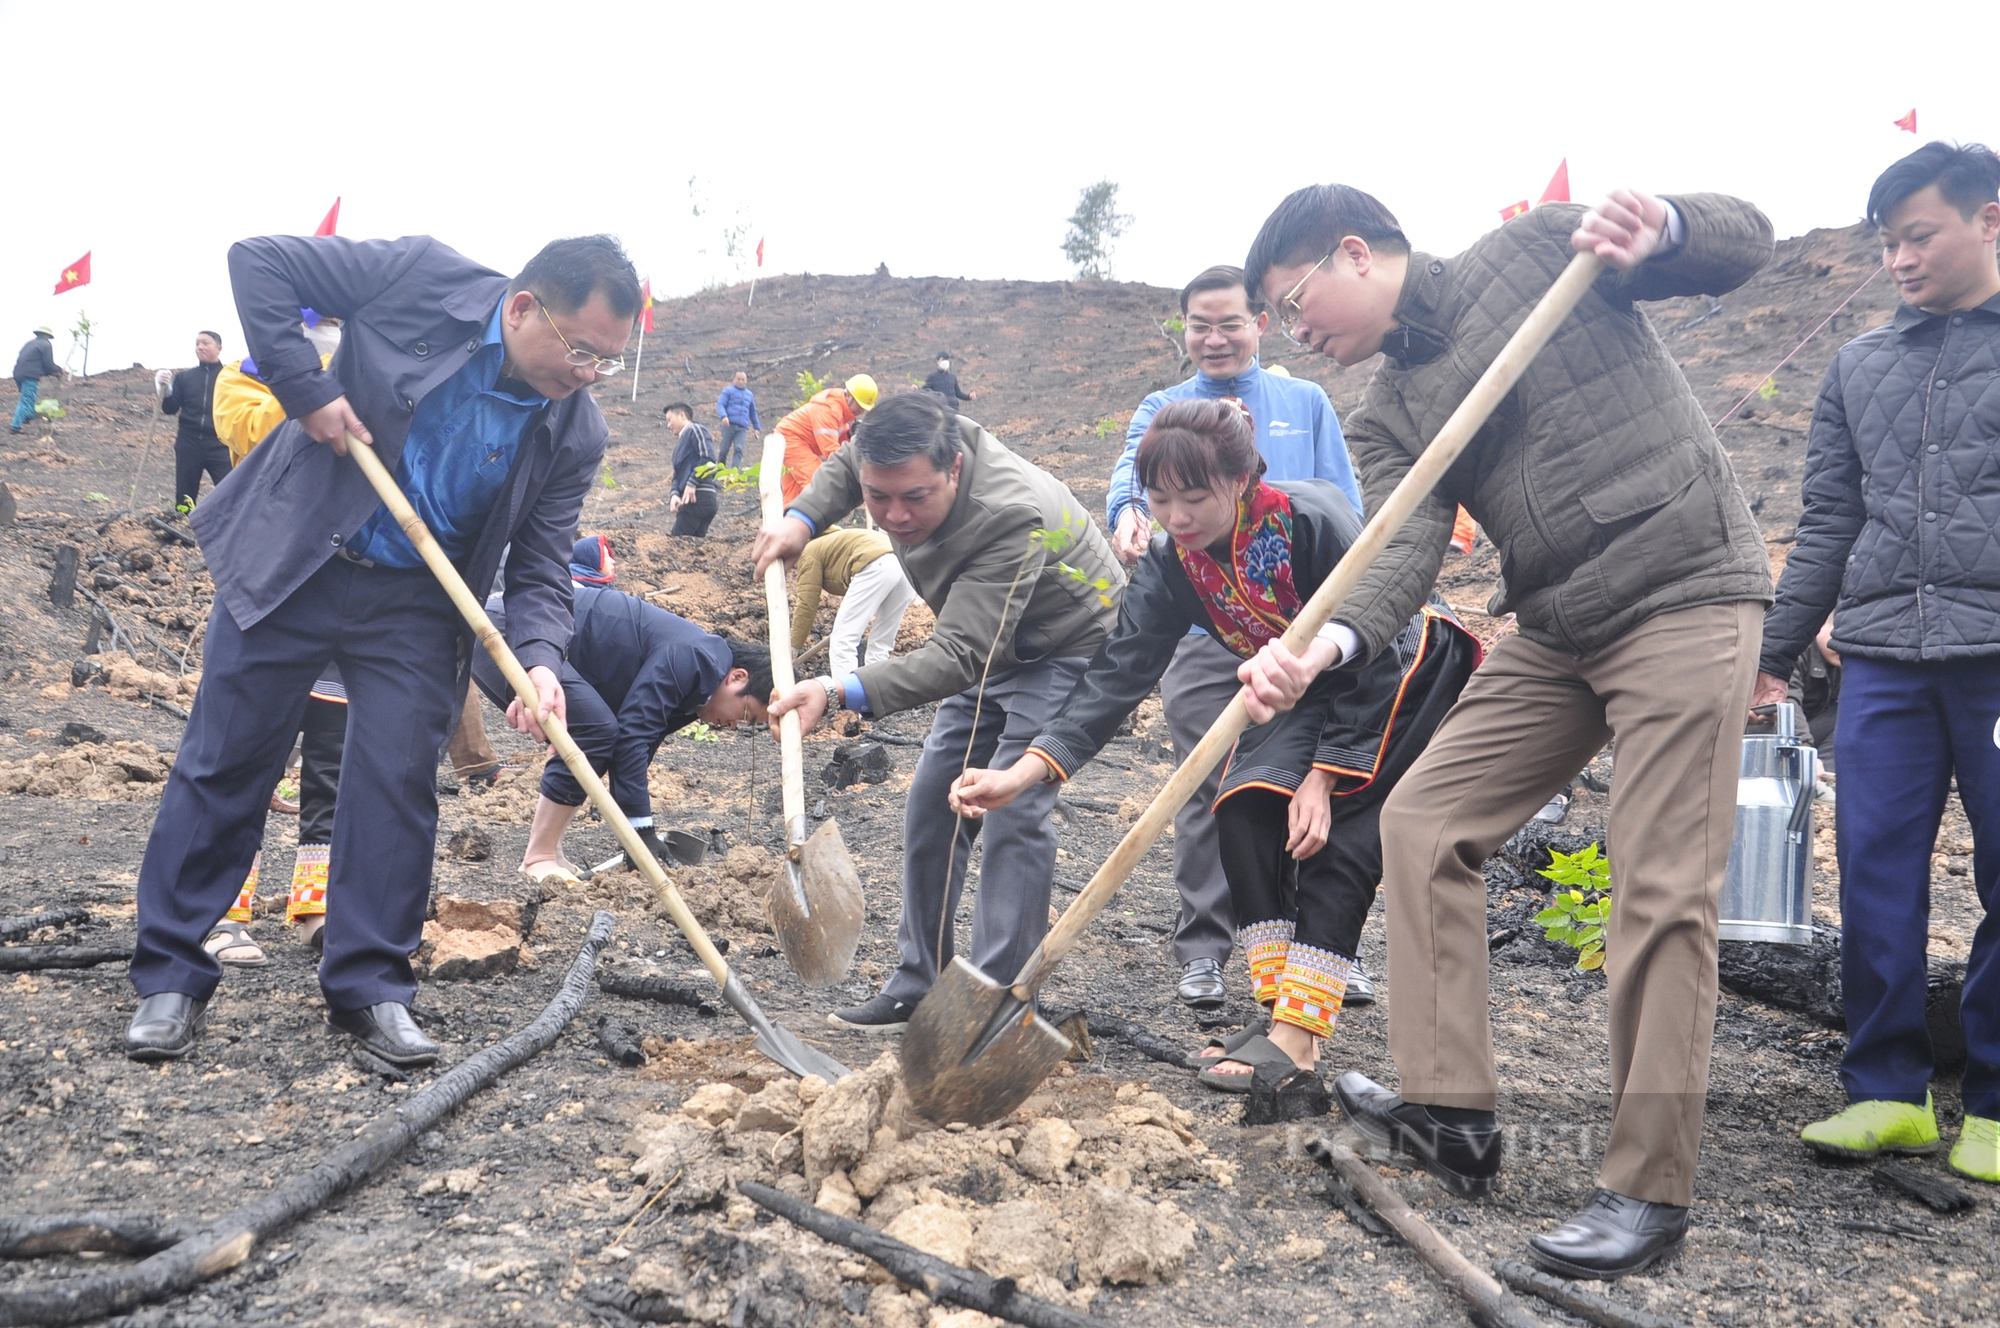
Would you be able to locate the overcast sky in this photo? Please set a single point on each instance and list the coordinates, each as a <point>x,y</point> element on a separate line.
<point>939,139</point>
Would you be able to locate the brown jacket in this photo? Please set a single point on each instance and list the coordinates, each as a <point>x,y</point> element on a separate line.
<point>828,565</point>
<point>1598,478</point>
<point>966,569</point>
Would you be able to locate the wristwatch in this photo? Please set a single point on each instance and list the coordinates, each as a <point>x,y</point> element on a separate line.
<point>836,695</point>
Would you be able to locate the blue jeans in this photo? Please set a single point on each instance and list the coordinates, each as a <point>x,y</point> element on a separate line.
<point>30,389</point>
<point>732,444</point>
<point>1905,730</point>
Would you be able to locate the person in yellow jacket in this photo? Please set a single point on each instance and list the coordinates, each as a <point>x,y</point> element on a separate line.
<point>244,410</point>
<point>815,431</point>
<point>855,565</point>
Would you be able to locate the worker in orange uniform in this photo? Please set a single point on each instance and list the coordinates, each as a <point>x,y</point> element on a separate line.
<point>816,430</point>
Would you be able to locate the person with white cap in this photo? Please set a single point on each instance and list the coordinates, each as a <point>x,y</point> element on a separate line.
<point>36,361</point>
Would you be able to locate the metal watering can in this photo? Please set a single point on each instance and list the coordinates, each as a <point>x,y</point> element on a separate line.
<point>1767,891</point>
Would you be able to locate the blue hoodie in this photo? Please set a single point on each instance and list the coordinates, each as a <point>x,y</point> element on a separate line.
<point>1297,432</point>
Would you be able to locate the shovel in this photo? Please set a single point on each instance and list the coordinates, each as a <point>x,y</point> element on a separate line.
<point>975,1048</point>
<point>817,909</point>
<point>780,1044</point>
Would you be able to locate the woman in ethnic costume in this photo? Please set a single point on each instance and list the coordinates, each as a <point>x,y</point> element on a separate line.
<point>1300,798</point>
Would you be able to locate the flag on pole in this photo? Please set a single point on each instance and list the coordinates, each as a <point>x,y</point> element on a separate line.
<point>1558,190</point>
<point>330,221</point>
<point>76,274</point>
<point>1909,121</point>
<point>1513,210</point>
<point>760,239</point>
<point>646,305</point>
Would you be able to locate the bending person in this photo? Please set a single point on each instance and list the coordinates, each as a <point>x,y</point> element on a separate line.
<point>1239,559</point>
<point>635,674</point>
<point>855,565</point>
<point>972,525</point>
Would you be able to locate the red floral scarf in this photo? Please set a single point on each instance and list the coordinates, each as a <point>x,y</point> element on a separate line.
<point>1252,601</point>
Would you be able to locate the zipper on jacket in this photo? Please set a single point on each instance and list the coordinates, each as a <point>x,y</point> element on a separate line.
<point>1923,437</point>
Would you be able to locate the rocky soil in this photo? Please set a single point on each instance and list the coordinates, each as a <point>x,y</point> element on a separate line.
<point>583,1190</point>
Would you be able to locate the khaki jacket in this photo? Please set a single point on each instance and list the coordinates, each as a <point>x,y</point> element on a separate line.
<point>1598,478</point>
<point>984,574</point>
<point>829,565</point>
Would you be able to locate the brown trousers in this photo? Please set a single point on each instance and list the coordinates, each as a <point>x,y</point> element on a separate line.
<point>471,753</point>
<point>1674,693</point>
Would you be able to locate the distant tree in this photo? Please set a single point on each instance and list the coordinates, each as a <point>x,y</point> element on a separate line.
<point>1093,227</point>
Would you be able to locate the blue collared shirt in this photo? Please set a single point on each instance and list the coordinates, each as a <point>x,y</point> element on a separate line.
<point>462,443</point>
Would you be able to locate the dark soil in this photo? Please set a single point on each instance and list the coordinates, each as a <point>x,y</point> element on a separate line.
<point>531,1180</point>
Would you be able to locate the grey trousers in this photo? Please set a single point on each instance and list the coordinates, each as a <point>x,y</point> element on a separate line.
<point>1011,914</point>
<point>1198,686</point>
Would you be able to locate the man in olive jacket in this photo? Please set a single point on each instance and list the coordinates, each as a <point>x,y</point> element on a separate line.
<point>981,534</point>
<point>1637,579</point>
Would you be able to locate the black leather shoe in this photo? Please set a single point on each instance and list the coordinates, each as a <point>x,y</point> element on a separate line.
<point>1360,990</point>
<point>1613,1235</point>
<point>387,1031</point>
<point>1201,985</point>
<point>1465,1158</point>
<point>164,1027</point>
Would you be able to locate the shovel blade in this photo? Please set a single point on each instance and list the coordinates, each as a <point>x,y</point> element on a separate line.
<point>957,1067</point>
<point>817,910</point>
<point>781,1044</point>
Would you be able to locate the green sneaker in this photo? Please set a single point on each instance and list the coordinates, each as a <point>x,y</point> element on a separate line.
<point>1977,1152</point>
<point>1868,1129</point>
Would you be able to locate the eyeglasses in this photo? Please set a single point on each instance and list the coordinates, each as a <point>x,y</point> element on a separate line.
<point>581,359</point>
<point>1289,312</point>
<point>1228,327</point>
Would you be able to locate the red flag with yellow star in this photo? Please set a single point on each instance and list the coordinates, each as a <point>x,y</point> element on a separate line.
<point>1513,210</point>
<point>646,306</point>
<point>76,274</point>
<point>1909,121</point>
<point>330,220</point>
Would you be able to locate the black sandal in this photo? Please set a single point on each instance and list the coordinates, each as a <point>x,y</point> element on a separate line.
<point>238,936</point>
<point>1257,1050</point>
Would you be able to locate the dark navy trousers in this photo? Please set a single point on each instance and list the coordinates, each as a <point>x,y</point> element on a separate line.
<point>1905,730</point>
<point>395,635</point>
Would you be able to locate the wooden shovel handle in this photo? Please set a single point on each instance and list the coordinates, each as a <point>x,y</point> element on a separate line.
<point>524,687</point>
<point>1451,440</point>
<point>770,488</point>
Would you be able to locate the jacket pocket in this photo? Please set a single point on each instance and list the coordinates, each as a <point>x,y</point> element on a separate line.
<point>1646,485</point>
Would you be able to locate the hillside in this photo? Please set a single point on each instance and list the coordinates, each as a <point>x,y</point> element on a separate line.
<point>545,1200</point>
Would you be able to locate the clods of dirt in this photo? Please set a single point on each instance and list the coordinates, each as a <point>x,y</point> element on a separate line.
<point>1060,1196</point>
<point>95,771</point>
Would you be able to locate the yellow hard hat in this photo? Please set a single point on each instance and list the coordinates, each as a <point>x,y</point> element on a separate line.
<point>862,388</point>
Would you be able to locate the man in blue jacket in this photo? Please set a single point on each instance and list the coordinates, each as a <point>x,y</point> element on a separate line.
<point>1299,437</point>
<point>737,409</point>
<point>470,387</point>
<point>635,674</point>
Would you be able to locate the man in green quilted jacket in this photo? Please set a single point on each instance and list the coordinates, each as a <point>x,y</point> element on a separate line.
<point>1637,579</point>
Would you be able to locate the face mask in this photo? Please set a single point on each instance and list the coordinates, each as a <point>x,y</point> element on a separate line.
<point>945,365</point>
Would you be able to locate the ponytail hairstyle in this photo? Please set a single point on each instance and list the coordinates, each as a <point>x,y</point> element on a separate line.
<point>1197,445</point>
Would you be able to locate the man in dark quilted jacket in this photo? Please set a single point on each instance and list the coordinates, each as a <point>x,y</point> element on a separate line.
<point>1638,580</point>
<point>1901,541</point>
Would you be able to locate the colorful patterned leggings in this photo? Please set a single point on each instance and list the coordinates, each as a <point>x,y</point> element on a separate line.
<point>323,740</point>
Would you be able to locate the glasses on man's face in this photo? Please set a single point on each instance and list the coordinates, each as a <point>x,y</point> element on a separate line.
<point>1228,327</point>
<point>582,359</point>
<point>1289,312</point>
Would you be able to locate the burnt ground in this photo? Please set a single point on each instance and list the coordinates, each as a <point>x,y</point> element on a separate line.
<point>543,1158</point>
